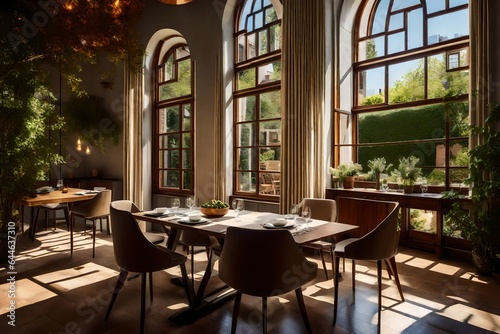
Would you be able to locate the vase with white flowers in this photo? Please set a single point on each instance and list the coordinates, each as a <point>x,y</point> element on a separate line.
<point>408,172</point>
<point>345,172</point>
<point>378,166</point>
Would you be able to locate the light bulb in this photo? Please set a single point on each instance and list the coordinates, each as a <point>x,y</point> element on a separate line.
<point>78,144</point>
<point>87,151</point>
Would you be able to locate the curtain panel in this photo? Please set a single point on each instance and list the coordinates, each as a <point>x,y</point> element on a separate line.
<point>132,137</point>
<point>303,84</point>
<point>480,76</point>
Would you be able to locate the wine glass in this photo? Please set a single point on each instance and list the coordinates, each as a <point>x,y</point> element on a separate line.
<point>424,186</point>
<point>234,205</point>
<point>384,186</point>
<point>294,211</point>
<point>190,202</point>
<point>306,214</point>
<point>176,203</point>
<point>59,185</point>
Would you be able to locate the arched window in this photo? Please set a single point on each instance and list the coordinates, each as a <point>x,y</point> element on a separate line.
<point>257,100</point>
<point>173,121</point>
<point>411,85</point>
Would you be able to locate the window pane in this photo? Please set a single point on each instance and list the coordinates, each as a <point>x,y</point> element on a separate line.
<point>437,76</point>
<point>263,42</point>
<point>275,37</point>
<point>246,134</point>
<point>168,69</point>
<point>415,29</point>
<point>269,184</point>
<point>251,52</point>
<point>242,48</point>
<point>186,140</point>
<point>245,108</point>
<point>173,158</point>
<point>396,21</point>
<point>270,106</point>
<point>186,159</point>
<point>439,30</point>
<point>380,17</point>
<point>173,141</point>
<point>271,15</point>
<point>435,5</point>
<point>188,183</point>
<point>270,133</point>
<point>246,181</point>
<point>423,220</point>
<point>181,86</point>
<point>406,81</point>
<point>454,3</point>
<point>371,48</point>
<point>186,117</point>
<point>371,86</point>
<point>259,20</point>
<point>270,72</point>
<point>246,78</point>
<point>269,158</point>
<point>400,4</point>
<point>247,159</point>
<point>396,42</point>
<point>170,179</point>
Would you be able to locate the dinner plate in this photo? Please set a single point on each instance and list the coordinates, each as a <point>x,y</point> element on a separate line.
<point>287,225</point>
<point>155,214</point>
<point>190,222</point>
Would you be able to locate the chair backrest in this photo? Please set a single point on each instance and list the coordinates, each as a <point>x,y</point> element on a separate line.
<point>126,205</point>
<point>379,244</point>
<point>98,206</point>
<point>366,213</point>
<point>133,252</point>
<point>322,209</point>
<point>263,262</point>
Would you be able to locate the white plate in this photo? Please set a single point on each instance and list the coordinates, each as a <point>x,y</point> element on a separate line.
<point>269,225</point>
<point>187,221</point>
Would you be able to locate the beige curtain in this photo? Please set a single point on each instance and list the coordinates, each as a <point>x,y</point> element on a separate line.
<point>132,137</point>
<point>303,50</point>
<point>220,174</point>
<point>480,77</point>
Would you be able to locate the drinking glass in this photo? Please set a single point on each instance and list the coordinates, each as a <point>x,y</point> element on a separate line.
<point>240,206</point>
<point>60,184</point>
<point>294,211</point>
<point>190,203</point>
<point>384,186</point>
<point>424,186</point>
<point>176,203</point>
<point>306,214</point>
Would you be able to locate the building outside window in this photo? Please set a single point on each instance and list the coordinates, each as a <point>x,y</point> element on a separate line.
<point>257,101</point>
<point>173,121</point>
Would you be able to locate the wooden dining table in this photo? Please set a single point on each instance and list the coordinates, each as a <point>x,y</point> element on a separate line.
<point>302,233</point>
<point>57,196</point>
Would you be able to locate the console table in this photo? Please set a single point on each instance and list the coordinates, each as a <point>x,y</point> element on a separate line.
<point>430,241</point>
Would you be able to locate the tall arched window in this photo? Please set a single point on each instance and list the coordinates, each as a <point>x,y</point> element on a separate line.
<point>257,100</point>
<point>173,122</point>
<point>411,85</point>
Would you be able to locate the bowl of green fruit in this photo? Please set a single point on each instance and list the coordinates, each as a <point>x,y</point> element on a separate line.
<point>214,208</point>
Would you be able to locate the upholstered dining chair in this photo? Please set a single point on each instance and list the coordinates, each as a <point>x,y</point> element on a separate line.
<point>96,208</point>
<point>262,263</point>
<point>322,209</point>
<point>135,253</point>
<point>47,209</point>
<point>380,244</point>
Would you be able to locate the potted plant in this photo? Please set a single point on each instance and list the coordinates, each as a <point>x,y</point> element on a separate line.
<point>378,166</point>
<point>408,172</point>
<point>345,172</point>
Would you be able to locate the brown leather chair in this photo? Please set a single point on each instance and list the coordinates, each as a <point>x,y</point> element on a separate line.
<point>135,253</point>
<point>96,208</point>
<point>381,244</point>
<point>322,209</point>
<point>255,262</point>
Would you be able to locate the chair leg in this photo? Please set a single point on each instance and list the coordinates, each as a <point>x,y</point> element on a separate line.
<point>93,238</point>
<point>192,263</point>
<point>143,300</point>
<point>334,272</point>
<point>33,227</point>
<point>47,219</point>
<point>151,286</point>
<point>264,315</point>
<point>66,216</point>
<point>323,261</point>
<point>336,289</point>
<point>108,226</point>
<point>236,311</point>
<point>302,307</point>
<point>392,262</point>
<point>379,279</point>
<point>353,281</point>
<point>119,284</point>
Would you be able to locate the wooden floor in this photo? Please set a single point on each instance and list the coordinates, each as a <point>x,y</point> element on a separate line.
<point>59,293</point>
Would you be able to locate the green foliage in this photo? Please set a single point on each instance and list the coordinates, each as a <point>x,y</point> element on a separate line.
<point>372,99</point>
<point>344,170</point>
<point>407,170</point>
<point>267,155</point>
